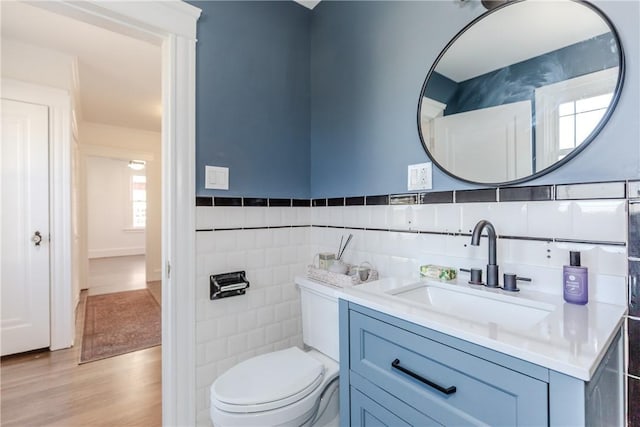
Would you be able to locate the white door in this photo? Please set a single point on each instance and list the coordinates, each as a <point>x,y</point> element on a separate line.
<point>487,145</point>
<point>24,213</point>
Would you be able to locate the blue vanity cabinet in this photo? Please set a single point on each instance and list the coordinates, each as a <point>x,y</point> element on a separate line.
<point>394,373</point>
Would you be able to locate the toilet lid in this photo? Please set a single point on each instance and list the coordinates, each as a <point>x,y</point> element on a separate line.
<point>268,381</point>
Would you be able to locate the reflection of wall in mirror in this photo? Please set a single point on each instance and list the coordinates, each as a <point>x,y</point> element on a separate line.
<point>488,145</point>
<point>429,110</point>
<point>517,82</point>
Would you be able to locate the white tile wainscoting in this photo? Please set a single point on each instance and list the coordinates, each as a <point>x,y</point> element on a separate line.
<point>267,318</point>
<point>273,244</point>
<point>537,239</point>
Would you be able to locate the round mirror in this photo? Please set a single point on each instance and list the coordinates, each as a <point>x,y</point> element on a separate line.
<point>520,91</point>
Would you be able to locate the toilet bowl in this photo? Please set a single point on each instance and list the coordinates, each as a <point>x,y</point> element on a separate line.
<point>291,387</point>
<point>283,388</point>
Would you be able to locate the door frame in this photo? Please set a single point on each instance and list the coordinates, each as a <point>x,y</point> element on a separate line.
<point>62,314</point>
<point>171,25</point>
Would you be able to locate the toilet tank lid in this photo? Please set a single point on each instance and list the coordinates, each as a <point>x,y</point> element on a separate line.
<point>268,378</point>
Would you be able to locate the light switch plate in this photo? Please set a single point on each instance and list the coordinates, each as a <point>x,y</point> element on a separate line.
<point>419,177</point>
<point>216,178</point>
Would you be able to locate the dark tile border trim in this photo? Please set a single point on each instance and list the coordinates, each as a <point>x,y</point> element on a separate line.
<point>354,201</point>
<point>439,233</point>
<point>283,203</point>
<point>234,229</point>
<point>301,203</point>
<point>377,200</point>
<point>526,194</point>
<point>473,196</point>
<point>633,331</point>
<point>590,242</point>
<point>535,239</point>
<point>336,201</point>
<point>204,201</point>
<point>634,287</point>
<point>633,395</point>
<point>486,195</point>
<point>254,202</point>
<point>227,201</point>
<point>436,197</point>
<point>270,227</point>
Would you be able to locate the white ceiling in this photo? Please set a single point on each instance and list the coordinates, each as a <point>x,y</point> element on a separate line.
<point>120,79</point>
<point>308,3</point>
<point>119,76</point>
<point>518,32</point>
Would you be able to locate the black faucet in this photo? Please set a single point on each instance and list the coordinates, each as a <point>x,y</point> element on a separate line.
<point>492,267</point>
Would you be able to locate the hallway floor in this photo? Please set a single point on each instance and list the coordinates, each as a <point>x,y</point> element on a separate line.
<point>50,389</point>
<point>116,274</point>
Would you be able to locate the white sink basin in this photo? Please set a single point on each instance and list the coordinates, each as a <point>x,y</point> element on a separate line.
<point>480,306</point>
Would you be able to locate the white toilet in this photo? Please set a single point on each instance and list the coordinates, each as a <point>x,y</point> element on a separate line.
<point>289,387</point>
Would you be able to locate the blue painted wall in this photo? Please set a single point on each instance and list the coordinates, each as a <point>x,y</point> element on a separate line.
<point>368,63</point>
<point>323,103</point>
<point>253,97</point>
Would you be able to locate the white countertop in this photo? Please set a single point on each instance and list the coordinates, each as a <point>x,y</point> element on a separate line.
<point>566,338</point>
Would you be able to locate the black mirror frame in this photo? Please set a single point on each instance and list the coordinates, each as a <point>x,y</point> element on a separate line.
<point>577,150</point>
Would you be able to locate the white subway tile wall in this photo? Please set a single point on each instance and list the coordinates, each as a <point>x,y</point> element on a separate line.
<point>268,316</point>
<point>585,225</point>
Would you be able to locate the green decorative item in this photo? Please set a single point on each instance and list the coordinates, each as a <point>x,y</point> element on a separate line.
<point>438,272</point>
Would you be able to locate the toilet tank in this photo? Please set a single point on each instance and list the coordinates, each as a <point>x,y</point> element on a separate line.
<point>319,306</point>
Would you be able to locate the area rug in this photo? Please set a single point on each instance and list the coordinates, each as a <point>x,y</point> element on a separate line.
<point>120,323</point>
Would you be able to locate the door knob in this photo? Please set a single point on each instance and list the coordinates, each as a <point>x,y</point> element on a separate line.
<point>37,238</point>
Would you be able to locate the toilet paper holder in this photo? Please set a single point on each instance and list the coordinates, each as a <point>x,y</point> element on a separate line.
<point>227,285</point>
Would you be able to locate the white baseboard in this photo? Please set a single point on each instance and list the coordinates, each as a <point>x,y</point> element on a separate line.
<point>156,275</point>
<point>105,253</point>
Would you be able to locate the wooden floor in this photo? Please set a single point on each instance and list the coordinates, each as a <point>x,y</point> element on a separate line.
<point>51,389</point>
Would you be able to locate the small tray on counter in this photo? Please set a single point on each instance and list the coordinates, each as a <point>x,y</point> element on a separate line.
<point>338,279</point>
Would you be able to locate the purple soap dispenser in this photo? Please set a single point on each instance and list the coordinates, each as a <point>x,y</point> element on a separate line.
<point>575,280</point>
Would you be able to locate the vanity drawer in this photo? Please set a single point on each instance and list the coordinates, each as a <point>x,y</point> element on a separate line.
<point>378,407</point>
<point>485,393</point>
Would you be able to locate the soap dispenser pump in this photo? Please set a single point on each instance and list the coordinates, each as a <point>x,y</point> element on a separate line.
<point>575,280</point>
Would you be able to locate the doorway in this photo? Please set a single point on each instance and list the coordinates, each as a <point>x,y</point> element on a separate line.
<point>115,86</point>
<point>116,198</point>
<point>171,25</point>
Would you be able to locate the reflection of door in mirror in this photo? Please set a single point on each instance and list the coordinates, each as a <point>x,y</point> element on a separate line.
<point>430,109</point>
<point>490,144</point>
<point>568,111</point>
